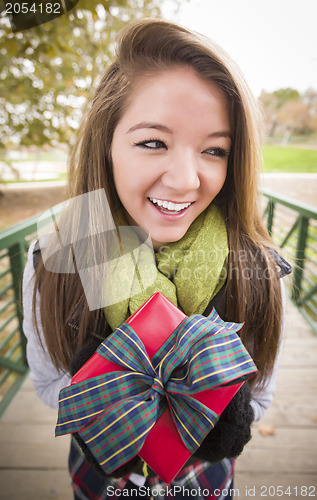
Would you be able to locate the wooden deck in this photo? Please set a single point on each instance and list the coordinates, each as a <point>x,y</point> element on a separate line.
<point>33,464</point>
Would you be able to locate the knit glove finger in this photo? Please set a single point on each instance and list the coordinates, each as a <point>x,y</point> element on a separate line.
<point>232,431</point>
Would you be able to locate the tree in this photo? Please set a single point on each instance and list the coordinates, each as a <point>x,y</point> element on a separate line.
<point>49,71</point>
<point>286,94</point>
<point>310,98</point>
<point>288,112</point>
<point>295,117</point>
<point>269,105</point>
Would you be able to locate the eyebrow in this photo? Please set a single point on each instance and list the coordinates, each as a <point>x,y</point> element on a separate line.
<point>156,126</point>
<point>163,128</point>
<point>223,133</point>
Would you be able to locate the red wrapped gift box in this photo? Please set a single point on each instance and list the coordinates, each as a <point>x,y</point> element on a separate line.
<point>163,449</point>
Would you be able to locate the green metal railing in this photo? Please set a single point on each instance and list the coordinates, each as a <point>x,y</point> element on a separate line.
<point>293,227</point>
<point>14,243</point>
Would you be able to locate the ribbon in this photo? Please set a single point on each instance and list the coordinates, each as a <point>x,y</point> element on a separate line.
<point>114,412</point>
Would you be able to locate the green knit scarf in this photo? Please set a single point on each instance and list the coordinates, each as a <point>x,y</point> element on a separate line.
<point>188,272</point>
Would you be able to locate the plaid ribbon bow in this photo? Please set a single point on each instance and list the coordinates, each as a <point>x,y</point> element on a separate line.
<point>114,412</point>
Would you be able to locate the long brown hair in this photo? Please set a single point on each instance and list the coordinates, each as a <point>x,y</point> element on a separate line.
<point>253,288</point>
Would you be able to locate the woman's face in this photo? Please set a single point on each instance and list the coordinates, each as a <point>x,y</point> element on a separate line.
<point>170,152</point>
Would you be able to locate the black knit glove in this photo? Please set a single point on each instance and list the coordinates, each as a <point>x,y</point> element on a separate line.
<point>232,431</point>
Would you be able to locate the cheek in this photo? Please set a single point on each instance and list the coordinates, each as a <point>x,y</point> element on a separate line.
<point>121,171</point>
<point>223,177</point>
<point>118,179</point>
<point>216,180</point>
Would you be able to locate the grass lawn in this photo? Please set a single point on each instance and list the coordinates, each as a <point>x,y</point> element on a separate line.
<point>282,159</point>
<point>57,177</point>
<point>289,159</point>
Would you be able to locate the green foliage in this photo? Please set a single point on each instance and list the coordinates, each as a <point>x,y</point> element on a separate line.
<point>48,72</point>
<point>288,113</point>
<point>284,95</point>
<point>289,159</point>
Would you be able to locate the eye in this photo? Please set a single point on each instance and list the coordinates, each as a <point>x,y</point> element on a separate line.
<point>152,144</point>
<point>217,152</point>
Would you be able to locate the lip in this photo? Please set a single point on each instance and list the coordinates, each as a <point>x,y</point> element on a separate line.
<point>171,201</point>
<point>170,217</point>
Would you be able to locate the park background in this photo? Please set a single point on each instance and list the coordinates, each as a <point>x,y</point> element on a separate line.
<point>47,75</point>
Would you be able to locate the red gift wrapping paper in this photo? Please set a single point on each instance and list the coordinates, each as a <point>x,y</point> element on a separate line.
<point>163,449</point>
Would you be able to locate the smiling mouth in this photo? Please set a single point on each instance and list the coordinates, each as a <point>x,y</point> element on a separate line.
<point>169,207</point>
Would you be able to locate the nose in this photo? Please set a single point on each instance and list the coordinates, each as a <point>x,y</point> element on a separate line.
<point>182,173</point>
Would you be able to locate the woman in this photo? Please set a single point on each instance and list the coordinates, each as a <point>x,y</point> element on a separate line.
<point>172,136</point>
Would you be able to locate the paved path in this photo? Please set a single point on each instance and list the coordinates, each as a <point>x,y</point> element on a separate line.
<point>20,201</point>
<point>289,456</point>
<point>300,187</point>
<point>33,464</point>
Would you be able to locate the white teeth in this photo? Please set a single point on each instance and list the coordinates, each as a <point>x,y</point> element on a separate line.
<point>169,205</point>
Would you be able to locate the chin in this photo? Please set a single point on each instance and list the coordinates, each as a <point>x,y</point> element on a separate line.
<point>166,239</point>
